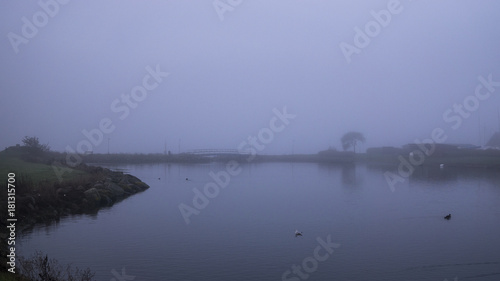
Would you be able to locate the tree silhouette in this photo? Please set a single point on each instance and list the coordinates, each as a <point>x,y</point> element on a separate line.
<point>351,139</point>
<point>34,145</point>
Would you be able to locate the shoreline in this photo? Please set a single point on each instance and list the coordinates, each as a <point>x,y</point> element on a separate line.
<point>460,158</point>
<point>45,203</point>
<point>102,189</point>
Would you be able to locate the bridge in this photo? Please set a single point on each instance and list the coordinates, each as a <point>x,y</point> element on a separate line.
<point>217,152</point>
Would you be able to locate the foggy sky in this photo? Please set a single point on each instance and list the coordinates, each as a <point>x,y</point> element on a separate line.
<point>226,76</point>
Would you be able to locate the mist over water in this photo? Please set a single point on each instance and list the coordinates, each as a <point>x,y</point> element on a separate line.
<point>247,231</point>
<point>180,75</point>
<point>401,92</point>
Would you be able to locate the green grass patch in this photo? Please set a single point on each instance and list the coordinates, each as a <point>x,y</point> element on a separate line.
<point>36,172</point>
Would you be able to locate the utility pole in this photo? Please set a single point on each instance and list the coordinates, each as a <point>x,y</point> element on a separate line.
<point>484,133</point>
<point>479,129</point>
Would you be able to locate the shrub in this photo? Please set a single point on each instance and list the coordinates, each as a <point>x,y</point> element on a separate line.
<point>40,268</point>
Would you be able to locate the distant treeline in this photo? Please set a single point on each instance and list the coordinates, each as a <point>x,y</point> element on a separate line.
<point>435,154</point>
<point>324,156</point>
<point>141,158</point>
<point>427,154</point>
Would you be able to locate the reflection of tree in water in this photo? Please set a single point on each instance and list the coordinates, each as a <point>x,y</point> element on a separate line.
<point>349,175</point>
<point>346,171</point>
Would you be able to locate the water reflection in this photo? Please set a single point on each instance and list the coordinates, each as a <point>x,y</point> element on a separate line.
<point>453,174</point>
<point>246,232</point>
<point>435,173</point>
<point>348,173</point>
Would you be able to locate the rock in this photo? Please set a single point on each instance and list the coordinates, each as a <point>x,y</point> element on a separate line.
<point>123,180</point>
<point>115,189</point>
<point>130,188</point>
<point>93,196</point>
<point>141,185</point>
<point>104,189</point>
<point>132,179</point>
<point>106,201</point>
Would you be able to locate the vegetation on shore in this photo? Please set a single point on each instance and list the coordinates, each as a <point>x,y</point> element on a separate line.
<point>40,267</point>
<point>187,158</point>
<point>44,194</point>
<point>383,156</point>
<point>423,154</point>
<point>433,155</point>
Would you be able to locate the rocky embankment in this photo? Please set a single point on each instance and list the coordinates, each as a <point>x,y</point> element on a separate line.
<point>48,203</point>
<point>102,188</point>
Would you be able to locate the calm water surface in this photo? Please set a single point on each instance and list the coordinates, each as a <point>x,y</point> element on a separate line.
<point>246,232</point>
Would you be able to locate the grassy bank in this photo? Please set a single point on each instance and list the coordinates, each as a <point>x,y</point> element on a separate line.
<point>46,189</point>
<point>42,167</point>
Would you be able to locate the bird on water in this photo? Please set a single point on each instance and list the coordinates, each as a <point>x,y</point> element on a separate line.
<point>447,217</point>
<point>297,233</point>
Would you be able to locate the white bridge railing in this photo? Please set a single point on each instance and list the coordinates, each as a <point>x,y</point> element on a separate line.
<point>211,152</point>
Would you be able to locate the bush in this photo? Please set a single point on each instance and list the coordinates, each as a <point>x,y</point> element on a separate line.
<point>34,145</point>
<point>40,268</point>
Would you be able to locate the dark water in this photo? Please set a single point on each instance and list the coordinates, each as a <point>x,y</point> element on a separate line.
<point>246,232</point>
